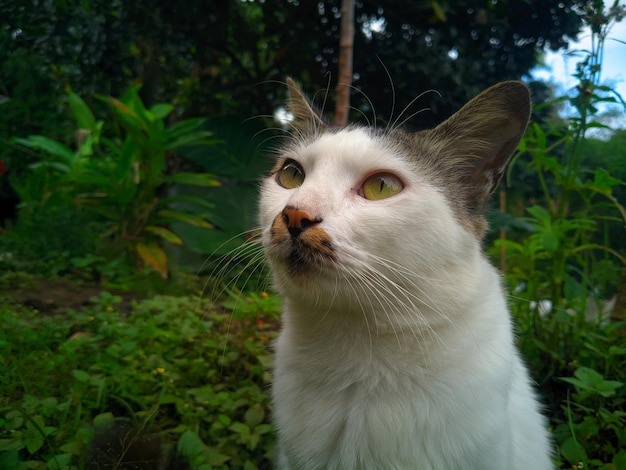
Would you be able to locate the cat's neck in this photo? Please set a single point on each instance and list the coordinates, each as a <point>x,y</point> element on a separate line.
<point>466,300</point>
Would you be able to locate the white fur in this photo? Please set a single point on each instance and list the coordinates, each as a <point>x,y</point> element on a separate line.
<point>399,354</point>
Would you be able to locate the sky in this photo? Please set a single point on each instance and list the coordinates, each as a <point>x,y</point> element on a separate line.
<point>560,66</point>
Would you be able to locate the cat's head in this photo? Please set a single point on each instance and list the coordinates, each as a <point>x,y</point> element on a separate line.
<point>357,202</point>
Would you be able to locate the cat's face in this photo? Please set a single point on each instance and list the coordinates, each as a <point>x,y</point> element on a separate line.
<point>347,203</point>
<point>351,213</point>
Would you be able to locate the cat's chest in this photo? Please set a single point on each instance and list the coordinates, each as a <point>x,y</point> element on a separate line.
<point>359,409</point>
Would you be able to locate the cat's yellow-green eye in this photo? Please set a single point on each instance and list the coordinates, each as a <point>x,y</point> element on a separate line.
<point>381,186</point>
<point>291,175</point>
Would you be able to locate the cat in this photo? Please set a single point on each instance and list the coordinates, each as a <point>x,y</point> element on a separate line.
<point>396,349</point>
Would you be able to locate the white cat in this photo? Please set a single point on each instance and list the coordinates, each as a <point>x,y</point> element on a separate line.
<point>396,349</point>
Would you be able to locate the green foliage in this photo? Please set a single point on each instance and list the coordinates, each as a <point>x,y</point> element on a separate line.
<point>184,55</point>
<point>121,177</point>
<point>173,368</point>
<point>564,266</point>
<point>567,254</point>
<point>580,368</point>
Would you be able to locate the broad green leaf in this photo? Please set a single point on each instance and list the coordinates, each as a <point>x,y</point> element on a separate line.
<point>129,153</point>
<point>161,110</point>
<point>61,167</point>
<point>604,181</point>
<point>190,445</point>
<point>132,99</point>
<point>239,428</point>
<point>225,420</point>
<point>154,256</point>
<point>130,117</point>
<point>541,215</point>
<point>619,460</point>
<point>189,139</point>
<point>103,419</point>
<point>572,452</point>
<point>82,114</point>
<point>194,179</point>
<point>215,458</point>
<point>550,241</point>
<point>254,415</point>
<point>59,461</point>
<point>191,219</point>
<point>182,128</point>
<point>80,375</point>
<point>250,465</point>
<point>165,234</point>
<point>39,142</point>
<point>185,199</point>
<point>9,459</point>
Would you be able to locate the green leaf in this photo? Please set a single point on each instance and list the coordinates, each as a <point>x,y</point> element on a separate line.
<point>591,380</point>
<point>10,459</point>
<point>154,256</point>
<point>604,181</point>
<point>33,437</point>
<point>191,219</point>
<point>165,234</point>
<point>239,428</point>
<point>129,153</point>
<point>58,166</point>
<point>572,452</point>
<point>254,416</point>
<point>199,138</point>
<point>193,179</point>
<point>225,420</point>
<point>39,142</point>
<point>249,465</point>
<point>80,375</point>
<point>103,419</point>
<point>550,241</point>
<point>186,199</point>
<point>132,120</point>
<point>161,110</point>
<point>190,445</point>
<point>619,460</point>
<point>59,461</point>
<point>183,128</point>
<point>82,114</point>
<point>541,215</point>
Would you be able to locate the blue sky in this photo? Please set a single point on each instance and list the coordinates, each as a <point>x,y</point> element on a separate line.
<point>560,66</point>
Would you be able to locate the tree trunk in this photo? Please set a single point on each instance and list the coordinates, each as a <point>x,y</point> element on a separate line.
<point>346,44</point>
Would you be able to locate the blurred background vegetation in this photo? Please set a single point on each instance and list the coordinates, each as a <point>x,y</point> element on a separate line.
<point>133,136</point>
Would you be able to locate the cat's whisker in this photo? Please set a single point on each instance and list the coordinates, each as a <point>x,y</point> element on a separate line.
<point>409,309</point>
<point>247,248</point>
<point>405,305</point>
<point>394,124</point>
<point>363,311</point>
<point>393,89</point>
<point>408,277</point>
<point>371,105</point>
<point>410,116</point>
<point>361,113</point>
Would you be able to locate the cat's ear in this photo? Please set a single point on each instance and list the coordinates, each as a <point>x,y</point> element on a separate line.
<point>305,117</point>
<point>481,137</point>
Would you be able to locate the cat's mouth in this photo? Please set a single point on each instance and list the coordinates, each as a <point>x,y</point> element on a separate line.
<point>307,252</point>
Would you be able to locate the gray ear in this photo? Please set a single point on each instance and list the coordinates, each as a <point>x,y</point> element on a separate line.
<point>305,117</point>
<point>480,138</point>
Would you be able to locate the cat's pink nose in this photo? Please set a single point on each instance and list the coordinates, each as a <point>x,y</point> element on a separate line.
<point>297,221</point>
